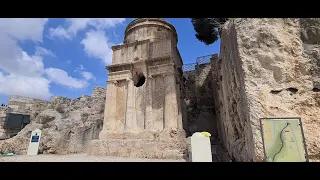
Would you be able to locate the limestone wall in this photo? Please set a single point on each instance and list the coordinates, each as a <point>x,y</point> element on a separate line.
<point>130,52</point>
<point>99,92</point>
<point>200,100</point>
<point>145,50</point>
<point>153,29</point>
<point>191,101</point>
<point>310,35</point>
<point>268,68</point>
<point>3,115</point>
<point>22,105</point>
<point>205,101</point>
<point>232,107</point>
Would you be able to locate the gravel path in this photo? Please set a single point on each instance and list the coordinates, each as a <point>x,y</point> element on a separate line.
<point>78,158</point>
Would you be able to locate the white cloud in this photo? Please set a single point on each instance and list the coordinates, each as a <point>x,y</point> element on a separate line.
<point>41,51</point>
<point>96,45</point>
<point>15,61</point>
<point>23,28</point>
<point>59,32</point>
<point>35,87</point>
<point>80,68</point>
<point>61,77</point>
<point>74,25</point>
<point>68,62</point>
<point>88,75</point>
<point>22,73</point>
<point>85,74</point>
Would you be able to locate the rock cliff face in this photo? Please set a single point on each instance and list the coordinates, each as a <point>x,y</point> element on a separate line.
<point>67,126</point>
<point>310,35</point>
<point>268,68</point>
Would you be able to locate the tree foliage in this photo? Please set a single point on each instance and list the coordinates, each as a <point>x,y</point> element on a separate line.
<point>207,29</point>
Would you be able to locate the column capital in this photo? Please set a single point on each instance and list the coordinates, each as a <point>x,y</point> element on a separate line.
<point>112,82</point>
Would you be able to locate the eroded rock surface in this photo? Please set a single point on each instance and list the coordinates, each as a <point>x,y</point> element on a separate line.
<point>67,126</point>
<point>268,68</point>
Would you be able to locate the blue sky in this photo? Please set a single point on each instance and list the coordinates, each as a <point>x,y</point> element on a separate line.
<point>40,58</point>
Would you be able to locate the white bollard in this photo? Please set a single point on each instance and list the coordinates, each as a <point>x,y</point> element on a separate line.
<point>34,142</point>
<point>199,148</point>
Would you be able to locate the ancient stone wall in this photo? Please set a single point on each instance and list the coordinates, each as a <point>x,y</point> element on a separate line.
<point>99,92</point>
<point>18,105</point>
<point>3,115</point>
<point>267,68</point>
<point>191,101</point>
<point>231,104</point>
<point>152,29</point>
<point>22,105</point>
<point>206,120</point>
<point>199,99</point>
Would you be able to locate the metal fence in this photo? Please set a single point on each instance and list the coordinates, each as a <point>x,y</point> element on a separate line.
<point>204,59</point>
<point>199,61</point>
<point>189,67</point>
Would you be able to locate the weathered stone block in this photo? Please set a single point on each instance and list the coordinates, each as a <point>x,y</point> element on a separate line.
<point>267,69</point>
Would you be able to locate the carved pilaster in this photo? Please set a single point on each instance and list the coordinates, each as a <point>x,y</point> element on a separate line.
<point>110,109</point>
<point>170,107</point>
<point>149,120</point>
<point>130,113</point>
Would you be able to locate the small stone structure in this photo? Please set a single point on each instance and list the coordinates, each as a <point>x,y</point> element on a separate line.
<point>145,100</point>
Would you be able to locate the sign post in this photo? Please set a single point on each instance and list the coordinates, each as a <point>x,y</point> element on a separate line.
<point>283,140</point>
<point>34,142</point>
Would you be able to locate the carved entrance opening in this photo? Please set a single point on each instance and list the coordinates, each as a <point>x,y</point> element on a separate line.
<point>140,80</point>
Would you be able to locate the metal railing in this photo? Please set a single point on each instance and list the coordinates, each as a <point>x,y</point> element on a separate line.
<point>204,59</point>
<point>189,67</point>
<point>200,60</point>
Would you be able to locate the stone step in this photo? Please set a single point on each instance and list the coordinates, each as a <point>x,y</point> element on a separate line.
<point>137,148</point>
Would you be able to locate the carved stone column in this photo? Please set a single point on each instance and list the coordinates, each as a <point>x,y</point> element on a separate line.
<point>170,107</point>
<point>149,124</point>
<point>110,113</point>
<point>130,114</point>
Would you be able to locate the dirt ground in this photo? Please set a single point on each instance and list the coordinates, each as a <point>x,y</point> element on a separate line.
<point>77,158</point>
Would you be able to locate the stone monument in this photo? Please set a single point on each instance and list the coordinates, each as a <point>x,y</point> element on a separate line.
<point>144,109</point>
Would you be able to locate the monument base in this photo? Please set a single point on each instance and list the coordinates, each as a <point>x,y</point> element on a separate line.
<point>167,144</point>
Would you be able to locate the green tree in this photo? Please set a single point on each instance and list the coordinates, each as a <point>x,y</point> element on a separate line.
<point>207,29</point>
